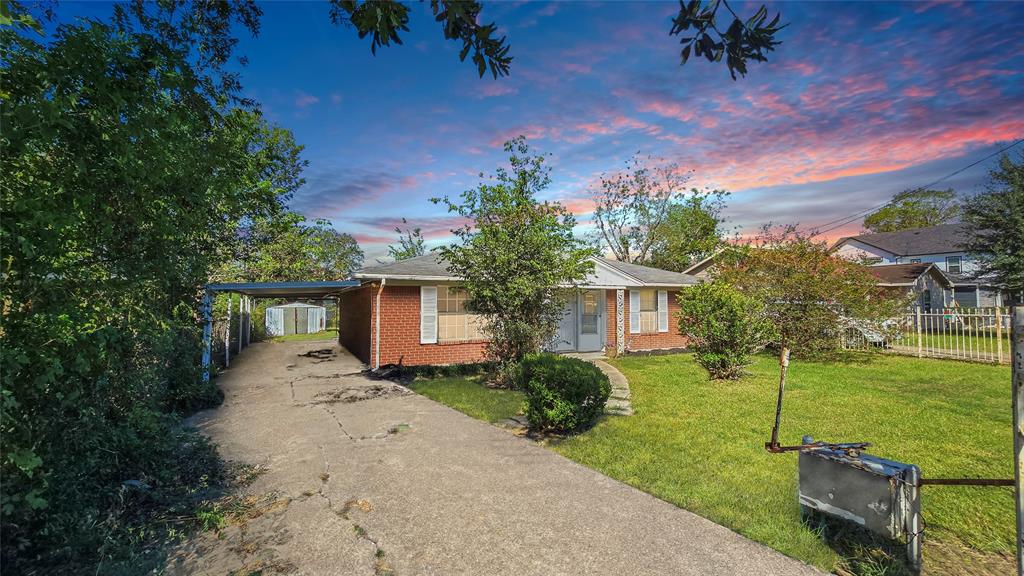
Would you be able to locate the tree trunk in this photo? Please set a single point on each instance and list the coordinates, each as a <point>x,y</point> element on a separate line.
<point>783,365</point>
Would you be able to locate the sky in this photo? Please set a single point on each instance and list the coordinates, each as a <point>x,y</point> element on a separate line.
<point>860,101</point>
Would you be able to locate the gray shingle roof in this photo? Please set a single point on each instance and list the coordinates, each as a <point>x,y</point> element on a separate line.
<point>904,274</point>
<point>649,275</point>
<point>431,267</point>
<point>931,240</point>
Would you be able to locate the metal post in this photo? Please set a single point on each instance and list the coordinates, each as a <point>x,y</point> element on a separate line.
<point>241,321</point>
<point>227,335</point>
<point>207,311</point>
<point>999,334</point>
<point>1017,336</point>
<point>920,347</point>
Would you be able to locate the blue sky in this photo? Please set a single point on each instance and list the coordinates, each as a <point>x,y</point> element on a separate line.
<point>860,101</point>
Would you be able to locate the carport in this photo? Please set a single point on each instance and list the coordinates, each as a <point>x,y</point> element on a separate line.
<point>248,293</point>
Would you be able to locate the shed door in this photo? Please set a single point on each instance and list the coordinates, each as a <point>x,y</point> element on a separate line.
<point>289,320</point>
<point>302,320</point>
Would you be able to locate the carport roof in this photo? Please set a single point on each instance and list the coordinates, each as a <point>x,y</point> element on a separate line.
<point>285,289</point>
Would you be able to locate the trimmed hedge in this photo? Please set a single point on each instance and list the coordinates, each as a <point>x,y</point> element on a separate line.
<point>562,394</point>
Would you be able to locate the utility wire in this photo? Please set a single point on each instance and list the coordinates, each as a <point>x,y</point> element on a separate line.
<point>840,222</point>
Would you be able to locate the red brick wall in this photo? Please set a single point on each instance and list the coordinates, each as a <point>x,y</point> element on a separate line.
<point>400,333</point>
<point>656,340</point>
<point>354,318</point>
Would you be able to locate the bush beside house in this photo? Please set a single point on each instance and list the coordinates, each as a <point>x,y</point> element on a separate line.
<point>562,394</point>
<point>725,328</point>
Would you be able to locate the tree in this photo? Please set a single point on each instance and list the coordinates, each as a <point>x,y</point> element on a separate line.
<point>631,207</point>
<point>995,223</point>
<point>725,328</point>
<point>516,257</point>
<point>410,244</point>
<point>692,231</point>
<point>744,40</point>
<point>123,186</point>
<point>290,249</point>
<point>917,208</point>
<point>808,293</point>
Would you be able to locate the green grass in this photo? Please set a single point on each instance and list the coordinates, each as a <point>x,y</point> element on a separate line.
<point>469,396</point>
<point>699,444</point>
<point>325,335</point>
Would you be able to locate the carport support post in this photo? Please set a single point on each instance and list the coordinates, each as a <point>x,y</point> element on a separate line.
<point>227,335</point>
<point>1017,358</point>
<point>207,311</point>
<point>241,321</point>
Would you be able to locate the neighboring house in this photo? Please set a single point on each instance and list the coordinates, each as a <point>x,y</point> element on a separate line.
<point>412,312</point>
<point>939,245</point>
<point>933,289</point>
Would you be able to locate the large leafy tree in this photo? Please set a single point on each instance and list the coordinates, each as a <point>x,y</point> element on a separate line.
<point>692,231</point>
<point>290,248</point>
<point>995,220</point>
<point>808,294</point>
<point>410,243</point>
<point>646,215</point>
<point>124,184</point>
<point>917,208</point>
<point>516,257</point>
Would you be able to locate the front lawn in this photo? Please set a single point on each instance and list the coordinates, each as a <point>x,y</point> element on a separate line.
<point>699,444</point>
<point>469,396</point>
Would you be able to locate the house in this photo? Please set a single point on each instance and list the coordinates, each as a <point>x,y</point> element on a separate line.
<point>412,312</point>
<point>933,289</point>
<point>941,245</point>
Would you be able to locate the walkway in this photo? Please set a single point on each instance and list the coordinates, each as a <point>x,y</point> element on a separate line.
<point>365,477</point>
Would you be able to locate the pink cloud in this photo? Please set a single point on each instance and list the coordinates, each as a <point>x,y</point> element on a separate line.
<point>496,88</point>
<point>918,92</point>
<point>303,100</point>
<point>885,24</point>
<point>667,109</point>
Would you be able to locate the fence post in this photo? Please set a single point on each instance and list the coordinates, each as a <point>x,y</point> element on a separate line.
<point>207,311</point>
<point>999,334</point>
<point>1017,337</point>
<point>921,353</point>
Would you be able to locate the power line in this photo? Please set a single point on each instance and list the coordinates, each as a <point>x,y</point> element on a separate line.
<point>840,222</point>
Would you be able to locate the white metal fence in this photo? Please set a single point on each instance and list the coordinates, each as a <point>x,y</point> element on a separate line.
<point>974,334</point>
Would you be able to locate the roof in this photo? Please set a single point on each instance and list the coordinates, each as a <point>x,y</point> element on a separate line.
<point>932,240</point>
<point>296,305</point>
<point>905,274</point>
<point>285,289</point>
<point>431,267</point>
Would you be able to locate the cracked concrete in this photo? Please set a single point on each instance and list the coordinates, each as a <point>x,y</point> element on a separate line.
<point>398,484</point>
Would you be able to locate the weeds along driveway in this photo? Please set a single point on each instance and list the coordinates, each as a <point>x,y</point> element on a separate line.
<point>365,477</point>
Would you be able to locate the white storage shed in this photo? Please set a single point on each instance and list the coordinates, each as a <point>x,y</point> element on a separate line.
<point>295,318</point>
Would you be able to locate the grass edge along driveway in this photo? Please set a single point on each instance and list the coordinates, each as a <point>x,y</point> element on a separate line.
<point>698,444</point>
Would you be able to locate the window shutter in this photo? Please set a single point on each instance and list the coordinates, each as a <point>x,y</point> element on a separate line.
<point>428,314</point>
<point>634,311</point>
<point>662,311</point>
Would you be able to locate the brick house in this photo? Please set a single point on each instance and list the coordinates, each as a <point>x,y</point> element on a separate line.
<point>412,312</point>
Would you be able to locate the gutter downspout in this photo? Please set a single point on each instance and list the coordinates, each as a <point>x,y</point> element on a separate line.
<point>376,335</point>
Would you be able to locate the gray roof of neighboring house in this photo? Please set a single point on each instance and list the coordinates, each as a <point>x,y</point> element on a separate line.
<point>932,240</point>
<point>431,267</point>
<point>906,274</point>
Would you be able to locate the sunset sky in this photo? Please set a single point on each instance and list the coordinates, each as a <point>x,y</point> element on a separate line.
<point>860,101</point>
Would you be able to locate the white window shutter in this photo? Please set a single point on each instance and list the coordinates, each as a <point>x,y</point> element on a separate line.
<point>428,314</point>
<point>634,311</point>
<point>662,310</point>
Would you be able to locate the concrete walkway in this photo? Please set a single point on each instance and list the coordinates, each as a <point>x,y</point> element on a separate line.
<point>365,477</point>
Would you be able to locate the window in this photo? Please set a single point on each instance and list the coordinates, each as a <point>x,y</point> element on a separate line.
<point>454,323</point>
<point>915,260</point>
<point>648,311</point>
<point>589,316</point>
<point>953,264</point>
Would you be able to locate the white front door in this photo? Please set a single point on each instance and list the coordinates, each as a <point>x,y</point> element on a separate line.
<point>566,338</point>
<point>590,323</point>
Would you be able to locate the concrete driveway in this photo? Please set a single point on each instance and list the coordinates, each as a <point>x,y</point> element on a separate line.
<point>364,477</point>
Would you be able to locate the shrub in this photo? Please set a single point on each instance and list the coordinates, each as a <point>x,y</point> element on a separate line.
<point>562,394</point>
<point>725,328</point>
